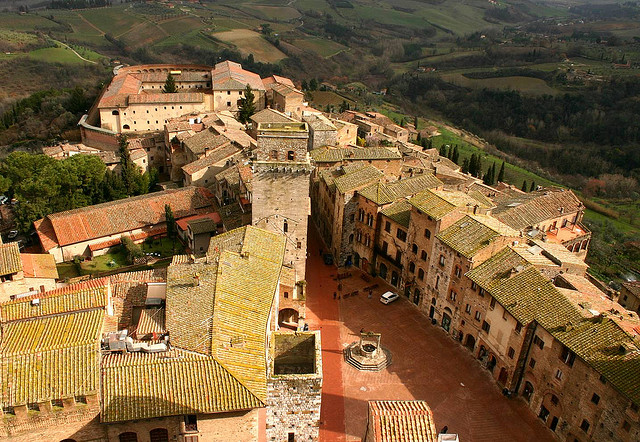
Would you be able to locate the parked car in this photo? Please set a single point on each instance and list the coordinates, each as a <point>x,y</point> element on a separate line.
<point>4,199</point>
<point>12,234</point>
<point>388,297</point>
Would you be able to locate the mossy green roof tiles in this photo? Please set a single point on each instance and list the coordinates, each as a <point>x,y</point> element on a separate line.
<point>334,155</point>
<point>143,386</point>
<point>399,212</point>
<point>470,234</point>
<point>385,193</point>
<point>439,203</point>
<point>357,179</point>
<point>10,258</point>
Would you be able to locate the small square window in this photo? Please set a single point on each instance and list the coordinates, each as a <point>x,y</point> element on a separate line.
<point>477,316</point>
<point>414,248</point>
<point>554,399</point>
<point>441,260</point>
<point>584,426</point>
<point>387,226</point>
<point>595,398</point>
<point>602,379</point>
<point>468,308</point>
<point>492,304</point>
<point>558,374</point>
<point>511,352</point>
<point>532,363</point>
<point>485,326</point>
<point>626,426</point>
<point>518,327</point>
<point>423,255</point>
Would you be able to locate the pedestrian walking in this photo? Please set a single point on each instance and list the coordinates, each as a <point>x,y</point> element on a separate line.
<point>370,294</point>
<point>334,295</point>
<point>340,287</point>
<point>338,297</point>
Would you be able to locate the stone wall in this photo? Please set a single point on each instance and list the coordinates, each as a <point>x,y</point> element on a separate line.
<point>293,400</point>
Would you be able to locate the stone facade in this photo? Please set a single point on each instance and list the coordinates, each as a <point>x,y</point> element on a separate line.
<point>280,197</point>
<point>294,387</point>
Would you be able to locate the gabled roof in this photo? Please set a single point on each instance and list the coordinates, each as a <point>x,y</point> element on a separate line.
<point>144,386</point>
<point>219,154</point>
<point>121,86</point>
<point>357,179</point>
<point>228,75</point>
<point>402,421</point>
<point>10,258</point>
<point>269,115</point>
<point>205,140</point>
<point>531,209</point>
<point>385,193</point>
<point>116,217</point>
<point>470,234</point>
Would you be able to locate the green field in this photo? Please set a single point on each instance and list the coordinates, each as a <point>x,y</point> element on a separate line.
<point>250,42</point>
<point>276,13</point>
<point>320,46</point>
<point>114,20</point>
<point>526,85</point>
<point>63,55</point>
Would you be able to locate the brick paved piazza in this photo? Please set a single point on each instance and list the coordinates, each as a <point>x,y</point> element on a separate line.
<point>427,365</point>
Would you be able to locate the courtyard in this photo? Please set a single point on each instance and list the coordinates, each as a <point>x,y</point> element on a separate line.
<point>427,364</point>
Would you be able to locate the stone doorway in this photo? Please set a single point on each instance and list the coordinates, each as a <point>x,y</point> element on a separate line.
<point>470,343</point>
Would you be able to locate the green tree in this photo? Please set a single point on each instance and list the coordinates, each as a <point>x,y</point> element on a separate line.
<point>134,181</point>
<point>131,249</point>
<point>443,151</point>
<point>473,165</point>
<point>172,230</point>
<point>533,186</point>
<point>501,174</point>
<point>465,165</point>
<point>170,85</point>
<point>456,155</point>
<point>415,123</point>
<point>313,84</point>
<point>305,86</point>
<point>524,186</point>
<point>247,106</point>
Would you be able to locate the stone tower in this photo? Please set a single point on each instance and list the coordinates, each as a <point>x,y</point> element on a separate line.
<point>281,203</point>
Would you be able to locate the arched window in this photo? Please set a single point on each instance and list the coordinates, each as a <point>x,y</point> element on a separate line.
<point>129,436</point>
<point>412,267</point>
<point>159,435</point>
<point>351,238</point>
<point>274,155</point>
<point>115,112</point>
<point>126,126</point>
<point>286,226</point>
<point>291,155</point>
<point>420,274</point>
<point>427,233</point>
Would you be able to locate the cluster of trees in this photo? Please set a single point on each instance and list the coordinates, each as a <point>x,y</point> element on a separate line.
<point>44,185</point>
<point>604,121</point>
<point>78,4</point>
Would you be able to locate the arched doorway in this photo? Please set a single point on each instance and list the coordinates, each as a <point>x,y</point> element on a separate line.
<point>470,343</point>
<point>129,436</point>
<point>365,265</point>
<point>502,377</point>
<point>492,363</point>
<point>356,259</point>
<point>527,391</point>
<point>416,297</point>
<point>288,317</point>
<point>394,278</point>
<point>383,271</point>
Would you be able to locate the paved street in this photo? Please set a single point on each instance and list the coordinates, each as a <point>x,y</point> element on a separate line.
<point>427,364</point>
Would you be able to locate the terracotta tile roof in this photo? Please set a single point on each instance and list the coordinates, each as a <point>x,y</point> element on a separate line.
<point>143,386</point>
<point>182,223</point>
<point>121,216</point>
<point>231,215</point>
<point>53,357</point>
<point>399,212</point>
<point>177,126</point>
<point>333,155</point>
<point>68,299</point>
<point>277,79</point>
<point>269,115</point>
<point>179,97</point>
<point>385,193</point>
<point>119,89</point>
<point>358,179</point>
<point>215,156</point>
<point>536,207</point>
<point>10,261</point>
<point>228,75</point>
<point>633,287</point>
<point>285,90</point>
<point>402,421</point>
<point>438,203</point>
<point>207,139</point>
<point>319,122</point>
<point>560,253</point>
<point>470,234</point>
<point>39,265</point>
<point>151,321</point>
<point>183,76</point>
<point>529,296</point>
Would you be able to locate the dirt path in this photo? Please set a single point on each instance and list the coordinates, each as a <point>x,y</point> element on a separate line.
<point>74,51</point>
<point>91,24</point>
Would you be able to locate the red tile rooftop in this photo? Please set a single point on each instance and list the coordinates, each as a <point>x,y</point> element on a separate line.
<point>564,234</point>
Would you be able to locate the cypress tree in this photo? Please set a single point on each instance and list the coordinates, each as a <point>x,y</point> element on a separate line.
<point>478,166</point>
<point>473,165</point>
<point>443,151</point>
<point>450,153</point>
<point>456,154</point>
<point>247,105</point>
<point>170,85</point>
<point>533,186</point>
<point>465,165</point>
<point>524,186</point>
<point>501,174</point>
<point>493,173</point>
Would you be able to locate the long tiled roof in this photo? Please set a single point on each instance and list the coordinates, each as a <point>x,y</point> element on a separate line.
<point>355,180</point>
<point>179,97</point>
<point>143,386</point>
<point>333,155</point>
<point>529,296</point>
<point>206,139</point>
<point>228,75</point>
<point>115,217</point>
<point>269,115</point>
<point>54,302</point>
<point>51,357</point>
<point>402,421</point>
<point>470,234</point>
<point>399,212</point>
<point>10,258</point>
<point>385,193</point>
<point>531,209</point>
<point>151,321</point>
<point>119,89</point>
<point>42,265</point>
